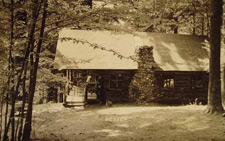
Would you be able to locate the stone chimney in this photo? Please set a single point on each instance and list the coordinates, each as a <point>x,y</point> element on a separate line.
<point>145,78</point>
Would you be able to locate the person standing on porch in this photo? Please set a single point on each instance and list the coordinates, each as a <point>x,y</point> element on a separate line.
<point>100,90</point>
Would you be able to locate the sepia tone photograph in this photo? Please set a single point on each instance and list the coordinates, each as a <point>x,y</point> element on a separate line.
<point>112,70</point>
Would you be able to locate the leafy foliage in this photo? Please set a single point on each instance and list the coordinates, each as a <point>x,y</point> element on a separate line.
<point>172,16</point>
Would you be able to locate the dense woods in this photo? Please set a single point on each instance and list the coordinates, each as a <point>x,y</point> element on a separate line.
<point>29,32</point>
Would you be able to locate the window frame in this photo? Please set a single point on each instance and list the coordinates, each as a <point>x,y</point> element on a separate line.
<point>168,78</point>
<point>116,80</point>
<point>194,80</point>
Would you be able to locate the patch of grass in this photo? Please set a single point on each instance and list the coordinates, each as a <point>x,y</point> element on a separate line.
<point>196,102</point>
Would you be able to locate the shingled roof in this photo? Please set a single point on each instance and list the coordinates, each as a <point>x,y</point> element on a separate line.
<point>171,52</point>
<point>177,52</point>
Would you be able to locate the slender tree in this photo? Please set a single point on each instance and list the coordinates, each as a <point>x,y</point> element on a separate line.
<point>214,90</point>
<point>11,64</point>
<point>28,123</point>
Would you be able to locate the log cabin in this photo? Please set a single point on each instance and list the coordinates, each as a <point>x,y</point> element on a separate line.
<point>179,63</point>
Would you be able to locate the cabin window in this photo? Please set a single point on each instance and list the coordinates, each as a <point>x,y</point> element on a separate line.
<point>168,81</point>
<point>196,81</point>
<point>116,80</point>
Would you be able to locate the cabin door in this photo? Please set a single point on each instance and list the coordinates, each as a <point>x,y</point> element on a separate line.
<point>91,87</point>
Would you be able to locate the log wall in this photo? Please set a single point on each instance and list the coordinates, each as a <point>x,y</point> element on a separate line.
<point>184,90</point>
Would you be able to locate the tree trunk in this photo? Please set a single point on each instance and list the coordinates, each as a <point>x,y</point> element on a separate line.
<point>203,25</point>
<point>1,108</point>
<point>10,78</point>
<point>28,123</point>
<point>176,30</point>
<point>25,59</point>
<point>214,93</point>
<point>23,106</point>
<point>6,117</point>
<point>1,122</point>
<point>194,24</point>
<point>207,18</point>
<point>11,57</point>
<point>223,85</point>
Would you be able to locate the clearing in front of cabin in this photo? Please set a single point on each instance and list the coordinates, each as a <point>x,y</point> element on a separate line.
<point>123,123</point>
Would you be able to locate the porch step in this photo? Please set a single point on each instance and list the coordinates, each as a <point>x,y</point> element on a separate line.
<point>76,105</point>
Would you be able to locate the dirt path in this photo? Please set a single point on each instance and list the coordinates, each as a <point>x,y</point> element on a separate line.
<point>184,123</point>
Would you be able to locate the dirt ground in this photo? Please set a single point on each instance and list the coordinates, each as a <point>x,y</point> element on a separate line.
<point>126,123</point>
